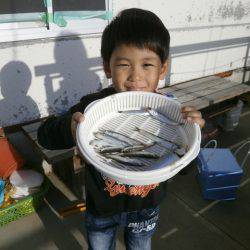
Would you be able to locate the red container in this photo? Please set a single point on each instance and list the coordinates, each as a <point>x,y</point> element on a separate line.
<point>10,160</point>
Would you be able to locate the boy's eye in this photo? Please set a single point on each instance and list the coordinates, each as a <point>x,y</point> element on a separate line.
<point>122,65</point>
<point>148,65</point>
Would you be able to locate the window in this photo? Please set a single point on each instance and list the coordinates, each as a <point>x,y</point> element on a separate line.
<point>21,14</point>
<point>32,19</point>
<point>21,6</point>
<point>74,5</point>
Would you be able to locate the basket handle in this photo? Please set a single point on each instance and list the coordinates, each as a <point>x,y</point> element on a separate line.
<point>214,141</point>
<point>212,153</point>
<point>247,154</point>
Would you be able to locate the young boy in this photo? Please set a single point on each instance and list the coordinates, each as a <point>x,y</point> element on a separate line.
<point>135,48</point>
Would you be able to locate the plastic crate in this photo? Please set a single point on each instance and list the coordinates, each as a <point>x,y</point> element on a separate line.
<point>23,207</point>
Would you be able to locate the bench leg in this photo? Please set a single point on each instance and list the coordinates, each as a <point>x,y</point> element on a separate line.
<point>79,175</point>
<point>48,171</point>
<point>47,168</point>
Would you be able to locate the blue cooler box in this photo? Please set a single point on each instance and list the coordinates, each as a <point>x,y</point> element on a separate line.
<point>219,173</point>
<point>221,193</point>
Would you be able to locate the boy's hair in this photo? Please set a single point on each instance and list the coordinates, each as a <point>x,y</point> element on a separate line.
<point>137,27</point>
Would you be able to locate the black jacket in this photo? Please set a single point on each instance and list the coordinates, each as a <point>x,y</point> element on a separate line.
<point>104,196</point>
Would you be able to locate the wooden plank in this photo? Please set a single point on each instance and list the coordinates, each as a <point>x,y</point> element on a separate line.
<point>48,153</point>
<point>31,127</point>
<point>208,91</point>
<point>188,84</point>
<point>217,97</point>
<point>205,88</point>
<point>61,186</point>
<point>191,83</point>
<point>198,103</point>
<point>57,155</point>
<point>52,156</point>
<point>42,151</point>
<point>228,93</point>
<point>32,135</point>
<point>201,86</point>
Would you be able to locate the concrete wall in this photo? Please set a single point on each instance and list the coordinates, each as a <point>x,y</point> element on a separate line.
<point>41,77</point>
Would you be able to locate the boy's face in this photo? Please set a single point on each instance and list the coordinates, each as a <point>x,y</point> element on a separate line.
<point>133,69</point>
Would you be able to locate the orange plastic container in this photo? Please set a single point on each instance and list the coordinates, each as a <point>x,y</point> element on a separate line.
<point>10,159</point>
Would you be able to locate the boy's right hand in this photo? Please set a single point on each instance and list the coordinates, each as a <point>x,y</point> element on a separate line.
<point>77,117</point>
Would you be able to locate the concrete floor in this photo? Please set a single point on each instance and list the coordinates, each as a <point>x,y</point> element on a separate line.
<point>187,221</point>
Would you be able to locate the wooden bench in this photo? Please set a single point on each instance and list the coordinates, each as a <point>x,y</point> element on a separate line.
<point>200,93</point>
<point>205,92</point>
<point>51,157</point>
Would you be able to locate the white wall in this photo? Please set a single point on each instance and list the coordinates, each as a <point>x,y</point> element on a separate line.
<point>207,36</point>
<point>41,77</point>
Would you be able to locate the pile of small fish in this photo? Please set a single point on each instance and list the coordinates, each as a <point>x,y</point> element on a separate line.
<point>121,148</point>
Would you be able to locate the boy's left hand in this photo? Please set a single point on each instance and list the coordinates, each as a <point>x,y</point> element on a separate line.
<point>193,115</point>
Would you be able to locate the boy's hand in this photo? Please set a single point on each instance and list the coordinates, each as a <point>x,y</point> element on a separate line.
<point>77,117</point>
<point>193,115</point>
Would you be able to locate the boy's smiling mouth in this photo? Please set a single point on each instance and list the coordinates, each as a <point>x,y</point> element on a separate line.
<point>135,86</point>
<point>135,89</point>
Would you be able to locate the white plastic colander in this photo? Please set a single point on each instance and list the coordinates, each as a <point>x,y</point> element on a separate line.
<point>106,114</point>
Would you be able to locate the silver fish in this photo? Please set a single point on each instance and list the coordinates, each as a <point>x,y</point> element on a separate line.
<point>125,160</point>
<point>143,154</point>
<point>154,114</point>
<point>120,137</point>
<point>110,149</point>
<point>156,138</point>
<point>137,147</point>
<point>160,117</point>
<point>142,112</point>
<point>110,139</point>
<point>97,143</point>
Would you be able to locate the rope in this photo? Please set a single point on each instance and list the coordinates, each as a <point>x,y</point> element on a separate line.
<point>212,153</point>
<point>247,154</point>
